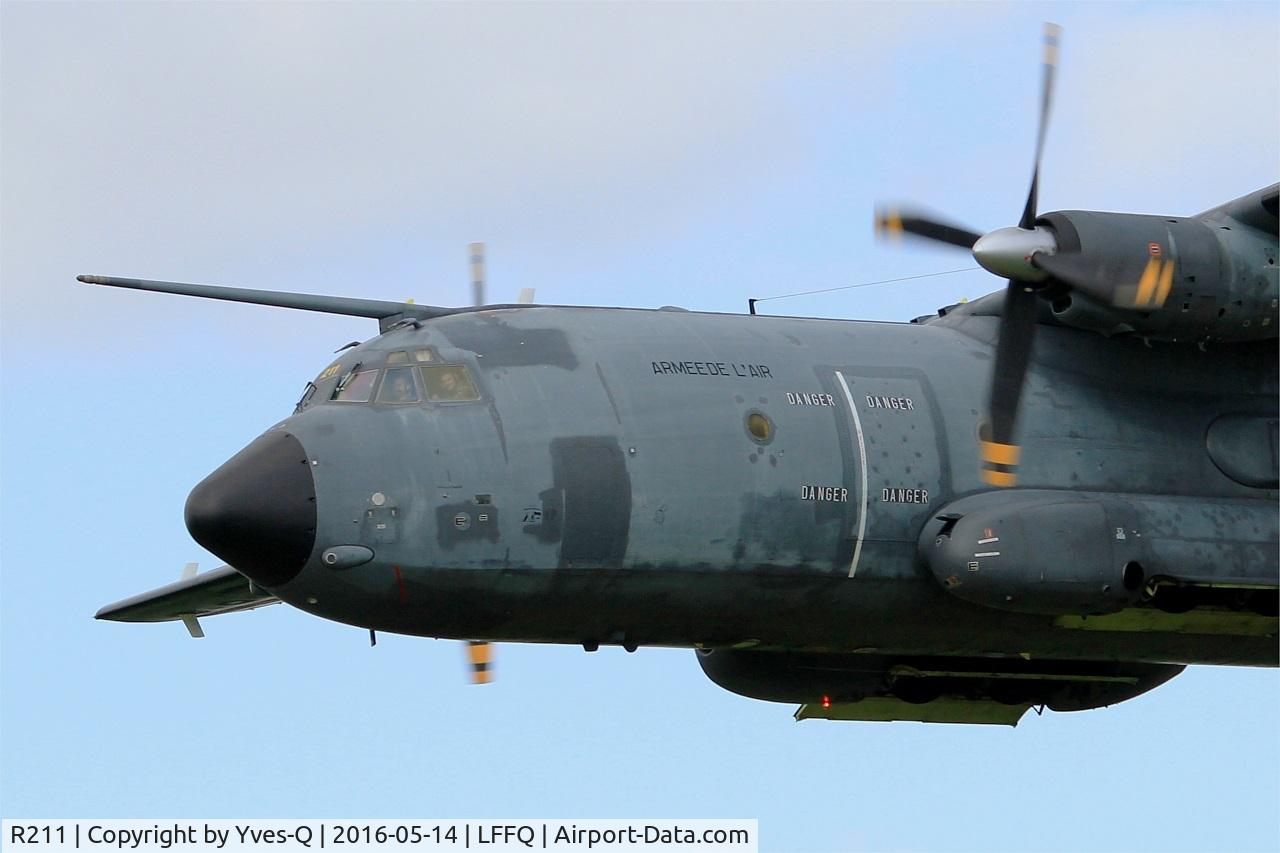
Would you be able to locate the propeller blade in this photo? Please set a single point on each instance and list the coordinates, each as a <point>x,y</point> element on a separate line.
<point>1025,256</point>
<point>1052,38</point>
<point>477,274</point>
<point>1087,273</point>
<point>892,223</point>
<point>1139,282</point>
<point>1000,455</point>
<point>480,654</point>
<point>1017,327</point>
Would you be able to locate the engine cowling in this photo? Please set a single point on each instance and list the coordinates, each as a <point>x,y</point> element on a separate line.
<point>1162,277</point>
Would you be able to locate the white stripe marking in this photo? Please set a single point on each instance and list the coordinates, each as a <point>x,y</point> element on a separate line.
<point>862,459</point>
<point>987,554</point>
<point>988,541</point>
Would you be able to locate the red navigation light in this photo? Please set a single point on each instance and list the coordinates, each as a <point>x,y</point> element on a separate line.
<point>826,701</point>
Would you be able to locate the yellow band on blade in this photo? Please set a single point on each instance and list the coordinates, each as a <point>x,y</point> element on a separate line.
<point>480,653</point>
<point>1052,35</point>
<point>1001,454</point>
<point>1147,284</point>
<point>891,223</point>
<point>1003,479</point>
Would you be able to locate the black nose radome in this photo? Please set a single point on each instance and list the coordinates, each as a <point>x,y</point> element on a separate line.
<point>258,511</point>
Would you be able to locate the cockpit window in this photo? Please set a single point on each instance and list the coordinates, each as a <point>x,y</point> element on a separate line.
<point>448,383</point>
<point>422,356</point>
<point>398,386</point>
<point>356,387</point>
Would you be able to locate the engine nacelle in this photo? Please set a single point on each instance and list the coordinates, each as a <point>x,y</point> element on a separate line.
<point>1164,278</point>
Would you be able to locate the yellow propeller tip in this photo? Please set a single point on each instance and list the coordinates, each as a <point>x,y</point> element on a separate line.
<point>1052,38</point>
<point>889,223</point>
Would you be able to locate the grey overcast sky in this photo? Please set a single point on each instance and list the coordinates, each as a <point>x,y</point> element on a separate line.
<point>609,153</point>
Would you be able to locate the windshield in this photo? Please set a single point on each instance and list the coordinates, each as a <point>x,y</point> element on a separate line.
<point>400,377</point>
<point>356,387</point>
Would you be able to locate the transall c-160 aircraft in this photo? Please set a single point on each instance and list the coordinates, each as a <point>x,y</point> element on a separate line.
<point>1055,496</point>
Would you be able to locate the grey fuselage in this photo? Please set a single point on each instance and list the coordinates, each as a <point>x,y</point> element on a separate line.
<point>608,486</point>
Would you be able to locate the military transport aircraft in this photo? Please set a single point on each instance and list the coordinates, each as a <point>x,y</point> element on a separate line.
<point>819,507</point>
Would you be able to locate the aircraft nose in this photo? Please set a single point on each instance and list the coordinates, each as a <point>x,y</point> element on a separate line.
<point>258,510</point>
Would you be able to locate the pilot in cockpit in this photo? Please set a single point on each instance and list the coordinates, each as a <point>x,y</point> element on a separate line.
<point>398,387</point>
<point>449,383</point>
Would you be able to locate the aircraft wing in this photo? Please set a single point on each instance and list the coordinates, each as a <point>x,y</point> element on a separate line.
<point>223,590</point>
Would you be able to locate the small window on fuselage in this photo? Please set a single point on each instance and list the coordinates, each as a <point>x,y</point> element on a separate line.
<point>449,383</point>
<point>421,356</point>
<point>398,386</point>
<point>356,388</point>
